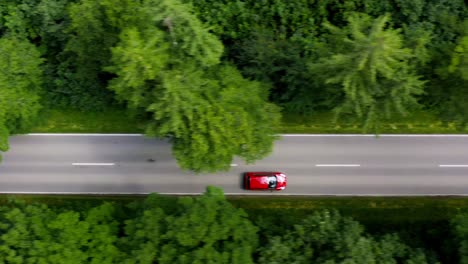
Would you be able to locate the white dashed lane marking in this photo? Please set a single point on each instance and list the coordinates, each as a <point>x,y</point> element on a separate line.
<point>337,165</point>
<point>93,164</point>
<point>454,166</point>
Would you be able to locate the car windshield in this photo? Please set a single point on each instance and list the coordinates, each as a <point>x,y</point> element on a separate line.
<point>271,182</point>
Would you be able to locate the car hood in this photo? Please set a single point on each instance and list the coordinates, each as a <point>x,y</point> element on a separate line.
<point>281,182</point>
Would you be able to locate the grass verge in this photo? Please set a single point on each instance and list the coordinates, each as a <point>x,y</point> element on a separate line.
<point>368,210</point>
<point>416,123</point>
<point>119,121</point>
<point>72,121</point>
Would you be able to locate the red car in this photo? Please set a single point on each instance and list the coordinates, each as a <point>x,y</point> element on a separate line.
<point>264,180</point>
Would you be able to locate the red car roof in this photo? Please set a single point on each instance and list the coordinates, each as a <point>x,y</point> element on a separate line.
<point>265,180</point>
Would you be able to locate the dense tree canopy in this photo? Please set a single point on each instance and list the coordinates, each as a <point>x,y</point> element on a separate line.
<point>328,237</point>
<point>39,234</point>
<point>459,63</point>
<point>373,67</point>
<point>20,86</point>
<point>226,235</point>
<point>456,107</point>
<point>460,227</point>
<point>170,68</point>
<point>206,229</point>
<point>202,229</point>
<point>293,33</point>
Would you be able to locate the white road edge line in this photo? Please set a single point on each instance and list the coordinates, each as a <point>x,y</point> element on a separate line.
<point>93,164</point>
<point>243,194</point>
<point>283,135</point>
<point>373,135</point>
<point>337,165</point>
<point>453,166</point>
<point>233,165</point>
<point>84,135</point>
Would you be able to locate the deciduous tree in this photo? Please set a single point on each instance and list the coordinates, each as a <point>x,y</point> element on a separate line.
<point>20,85</point>
<point>459,63</point>
<point>456,107</point>
<point>170,69</point>
<point>460,228</point>
<point>38,234</point>
<point>82,81</point>
<point>206,229</point>
<point>210,230</point>
<point>328,237</point>
<point>143,236</point>
<point>373,69</point>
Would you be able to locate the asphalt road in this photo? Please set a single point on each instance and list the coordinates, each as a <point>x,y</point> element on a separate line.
<point>315,165</point>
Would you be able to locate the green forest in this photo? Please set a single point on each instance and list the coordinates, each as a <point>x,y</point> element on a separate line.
<point>210,229</point>
<point>215,77</point>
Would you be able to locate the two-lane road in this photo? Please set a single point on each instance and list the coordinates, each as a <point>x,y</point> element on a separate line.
<point>315,165</point>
